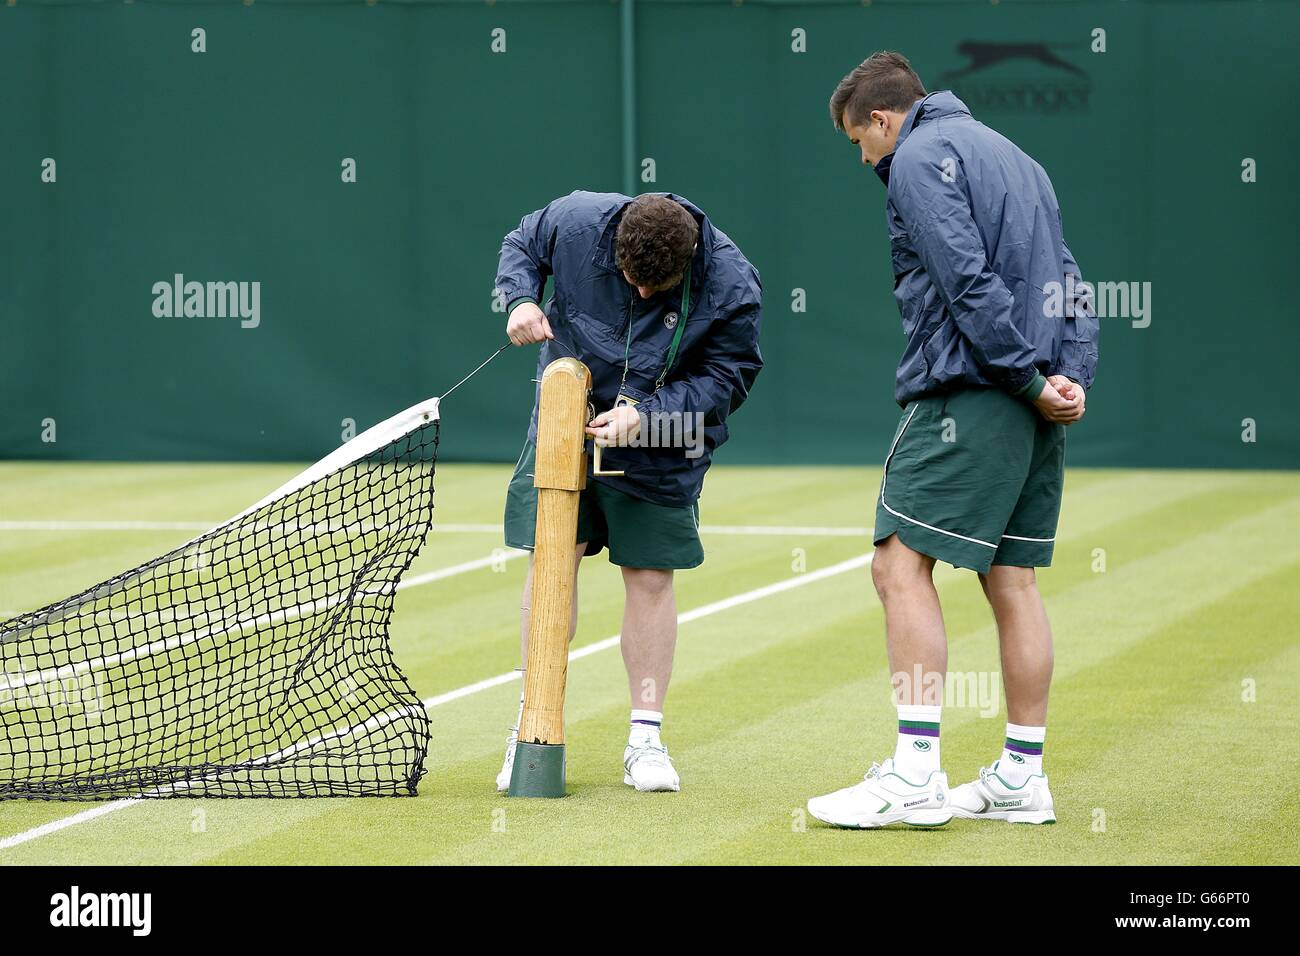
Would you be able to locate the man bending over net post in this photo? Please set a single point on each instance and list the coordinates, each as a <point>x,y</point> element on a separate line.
<point>994,370</point>
<point>664,310</point>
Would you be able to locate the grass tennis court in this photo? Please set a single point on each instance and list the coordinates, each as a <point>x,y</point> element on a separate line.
<point>780,691</point>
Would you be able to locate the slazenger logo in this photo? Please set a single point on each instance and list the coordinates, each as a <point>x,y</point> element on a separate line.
<point>1007,804</point>
<point>76,908</point>
<point>1027,77</point>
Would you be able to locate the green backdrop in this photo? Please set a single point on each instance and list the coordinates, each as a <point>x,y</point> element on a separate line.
<point>225,165</point>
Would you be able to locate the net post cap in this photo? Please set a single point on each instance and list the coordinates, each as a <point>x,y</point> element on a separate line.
<point>538,771</point>
<point>569,366</point>
<point>560,460</point>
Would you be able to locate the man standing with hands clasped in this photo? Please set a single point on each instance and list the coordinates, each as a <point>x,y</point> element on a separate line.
<point>996,366</point>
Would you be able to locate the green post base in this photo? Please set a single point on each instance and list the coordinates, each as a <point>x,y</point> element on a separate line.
<point>538,771</point>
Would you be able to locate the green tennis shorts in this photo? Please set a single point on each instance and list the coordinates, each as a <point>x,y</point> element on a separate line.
<point>974,478</point>
<point>639,534</point>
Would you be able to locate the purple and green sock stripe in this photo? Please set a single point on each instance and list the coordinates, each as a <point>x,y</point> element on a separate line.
<point>919,728</point>
<point>1030,748</point>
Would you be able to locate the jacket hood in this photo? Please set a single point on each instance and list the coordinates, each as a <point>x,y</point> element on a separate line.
<point>936,105</point>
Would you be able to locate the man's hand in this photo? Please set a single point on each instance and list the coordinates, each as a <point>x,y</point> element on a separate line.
<point>527,325</point>
<point>618,426</point>
<point>1061,401</point>
<point>1070,390</point>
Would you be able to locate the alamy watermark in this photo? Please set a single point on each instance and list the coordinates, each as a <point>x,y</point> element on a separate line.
<point>79,693</point>
<point>666,429</point>
<point>78,907</point>
<point>179,299</point>
<point>1108,300</point>
<point>978,690</point>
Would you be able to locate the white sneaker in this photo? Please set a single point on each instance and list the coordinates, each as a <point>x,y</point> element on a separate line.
<point>992,798</point>
<point>649,768</point>
<point>884,798</point>
<point>503,778</point>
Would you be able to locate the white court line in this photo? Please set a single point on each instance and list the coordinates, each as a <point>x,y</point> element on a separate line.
<point>105,526</point>
<point>812,531</point>
<point>505,554</point>
<point>450,527</point>
<point>774,530</point>
<point>789,584</point>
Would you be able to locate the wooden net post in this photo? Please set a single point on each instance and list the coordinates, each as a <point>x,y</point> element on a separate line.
<point>560,473</point>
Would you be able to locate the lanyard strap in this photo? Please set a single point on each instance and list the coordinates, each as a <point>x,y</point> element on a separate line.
<point>677,334</point>
<point>681,327</point>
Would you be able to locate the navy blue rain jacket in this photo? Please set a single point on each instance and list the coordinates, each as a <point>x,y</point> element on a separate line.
<point>979,261</point>
<point>571,241</point>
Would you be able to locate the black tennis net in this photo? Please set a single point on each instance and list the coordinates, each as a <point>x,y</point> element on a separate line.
<point>254,661</point>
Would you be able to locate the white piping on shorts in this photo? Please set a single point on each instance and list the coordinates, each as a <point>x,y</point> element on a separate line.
<point>930,527</point>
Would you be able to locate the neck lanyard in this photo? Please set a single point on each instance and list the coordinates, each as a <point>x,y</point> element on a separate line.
<point>677,334</point>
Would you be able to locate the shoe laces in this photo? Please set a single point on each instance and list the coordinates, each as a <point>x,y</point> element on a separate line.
<point>656,756</point>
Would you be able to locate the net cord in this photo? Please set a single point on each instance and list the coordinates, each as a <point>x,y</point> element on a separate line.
<point>369,441</point>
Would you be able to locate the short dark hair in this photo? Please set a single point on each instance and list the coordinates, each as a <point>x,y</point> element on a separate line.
<point>883,81</point>
<point>655,240</point>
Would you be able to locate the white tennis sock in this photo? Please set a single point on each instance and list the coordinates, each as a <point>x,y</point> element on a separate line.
<point>645,728</point>
<point>1022,754</point>
<point>917,753</point>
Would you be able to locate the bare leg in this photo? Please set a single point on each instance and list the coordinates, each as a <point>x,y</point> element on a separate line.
<point>914,633</point>
<point>1026,642</point>
<point>649,635</point>
<point>527,603</point>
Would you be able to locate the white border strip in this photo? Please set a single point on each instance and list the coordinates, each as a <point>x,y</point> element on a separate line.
<point>789,584</point>
<point>370,440</point>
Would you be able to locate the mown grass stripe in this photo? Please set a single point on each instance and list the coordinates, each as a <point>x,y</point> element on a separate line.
<point>964,723</point>
<point>769,704</point>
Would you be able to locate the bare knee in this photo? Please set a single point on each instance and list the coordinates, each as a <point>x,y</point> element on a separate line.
<point>649,583</point>
<point>896,568</point>
<point>1002,578</point>
<point>1005,584</point>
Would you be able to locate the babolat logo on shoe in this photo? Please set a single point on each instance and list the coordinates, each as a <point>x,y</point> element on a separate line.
<point>1017,758</point>
<point>75,908</point>
<point>921,745</point>
<point>915,803</point>
<point>1007,804</point>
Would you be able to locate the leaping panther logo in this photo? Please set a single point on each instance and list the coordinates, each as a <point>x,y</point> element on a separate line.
<point>1031,77</point>
<point>984,55</point>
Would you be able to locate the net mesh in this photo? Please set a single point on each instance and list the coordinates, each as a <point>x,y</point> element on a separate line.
<point>253,661</point>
